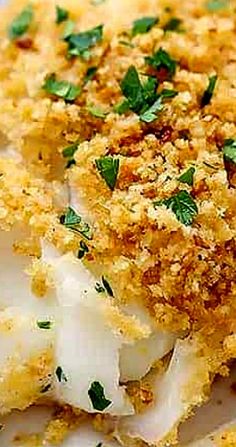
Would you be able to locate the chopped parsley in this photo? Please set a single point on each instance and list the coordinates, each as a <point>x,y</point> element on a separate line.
<point>229,150</point>
<point>69,151</point>
<point>97,397</point>
<point>83,250</point>
<point>90,74</point>
<point>108,168</point>
<point>61,15</point>
<point>80,44</point>
<point>61,377</point>
<point>63,89</point>
<point>21,23</point>
<point>104,287</point>
<point>183,206</point>
<point>126,43</point>
<point>151,114</point>
<point>143,25</point>
<point>206,99</point>
<point>216,5</point>
<point>97,112</point>
<point>162,60</point>
<point>142,98</point>
<point>75,223</point>
<point>187,176</point>
<point>174,24</point>
<point>99,444</point>
<point>44,324</point>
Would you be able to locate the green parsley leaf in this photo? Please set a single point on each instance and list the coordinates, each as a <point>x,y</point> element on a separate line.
<point>183,205</point>
<point>142,99</point>
<point>69,151</point>
<point>107,287</point>
<point>143,25</point>
<point>187,176</point>
<point>168,93</point>
<point>21,23</point>
<point>83,250</point>
<point>108,168</point>
<point>174,24</point>
<point>151,114</point>
<point>161,59</point>
<point>63,89</point>
<point>61,14</point>
<point>122,107</point>
<point>75,223</point>
<point>90,74</point>
<point>229,150</point>
<point>216,5</point>
<point>61,377</point>
<point>44,324</point>
<point>99,444</point>
<point>97,112</point>
<point>132,89</point>
<point>97,397</point>
<point>206,99</point>
<point>80,44</point>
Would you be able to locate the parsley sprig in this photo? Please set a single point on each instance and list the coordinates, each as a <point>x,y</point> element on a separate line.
<point>162,60</point>
<point>108,168</point>
<point>183,206</point>
<point>62,89</point>
<point>74,222</point>
<point>21,23</point>
<point>61,15</point>
<point>142,98</point>
<point>143,25</point>
<point>188,176</point>
<point>80,44</point>
<point>229,150</point>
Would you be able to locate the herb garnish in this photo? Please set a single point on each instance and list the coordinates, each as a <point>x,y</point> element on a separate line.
<point>97,112</point>
<point>143,25</point>
<point>229,150</point>
<point>108,168</point>
<point>91,72</point>
<point>81,43</point>
<point>162,60</point>
<point>142,98</point>
<point>21,23</point>
<point>68,30</point>
<point>75,223</point>
<point>61,14</point>
<point>99,444</point>
<point>104,287</point>
<point>206,99</point>
<point>61,377</point>
<point>174,24</point>
<point>187,176</point>
<point>44,324</point>
<point>97,397</point>
<point>183,205</point>
<point>63,89</point>
<point>83,250</point>
<point>216,5</point>
<point>69,151</point>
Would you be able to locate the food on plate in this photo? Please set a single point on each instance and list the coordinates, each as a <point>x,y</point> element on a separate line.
<point>117,216</point>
